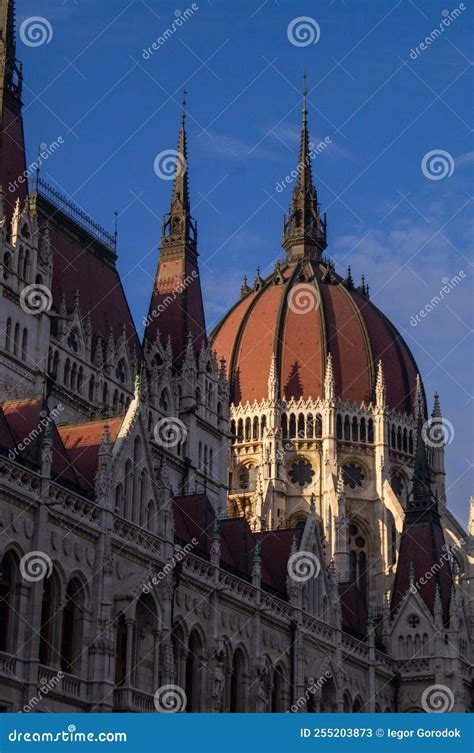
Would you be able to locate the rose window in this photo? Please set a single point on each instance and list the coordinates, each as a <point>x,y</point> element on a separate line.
<point>301,473</point>
<point>354,476</point>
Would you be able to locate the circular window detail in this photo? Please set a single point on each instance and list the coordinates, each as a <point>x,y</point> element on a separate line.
<point>413,621</point>
<point>360,542</point>
<point>301,473</point>
<point>354,476</point>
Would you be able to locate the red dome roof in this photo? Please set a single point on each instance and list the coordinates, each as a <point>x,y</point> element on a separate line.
<point>301,313</point>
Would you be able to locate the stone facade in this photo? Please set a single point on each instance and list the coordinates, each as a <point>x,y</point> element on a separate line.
<point>154,532</point>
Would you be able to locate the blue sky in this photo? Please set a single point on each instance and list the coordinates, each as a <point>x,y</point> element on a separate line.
<point>383,106</point>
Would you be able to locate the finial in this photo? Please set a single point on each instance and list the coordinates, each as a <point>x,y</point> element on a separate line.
<point>183,112</point>
<point>436,407</point>
<point>305,93</point>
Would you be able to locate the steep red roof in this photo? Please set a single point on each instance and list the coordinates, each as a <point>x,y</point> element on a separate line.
<point>353,610</point>
<point>301,316</point>
<point>82,442</point>
<point>27,420</point>
<point>81,265</point>
<point>194,518</point>
<point>423,551</point>
<point>176,307</point>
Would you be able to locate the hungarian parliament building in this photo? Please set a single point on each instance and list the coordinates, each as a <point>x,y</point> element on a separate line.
<point>249,519</point>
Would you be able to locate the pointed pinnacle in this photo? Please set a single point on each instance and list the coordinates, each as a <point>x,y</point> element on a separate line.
<point>436,413</point>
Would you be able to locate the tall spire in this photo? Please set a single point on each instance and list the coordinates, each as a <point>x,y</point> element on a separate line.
<point>304,231</point>
<point>12,145</point>
<point>11,70</point>
<point>176,306</point>
<point>178,226</point>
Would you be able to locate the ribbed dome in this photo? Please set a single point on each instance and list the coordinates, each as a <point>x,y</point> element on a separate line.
<point>304,311</point>
<point>301,313</point>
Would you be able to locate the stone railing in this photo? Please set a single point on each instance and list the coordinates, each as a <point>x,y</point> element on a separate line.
<point>73,504</point>
<point>7,664</point>
<point>136,536</point>
<point>131,699</point>
<point>19,478</point>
